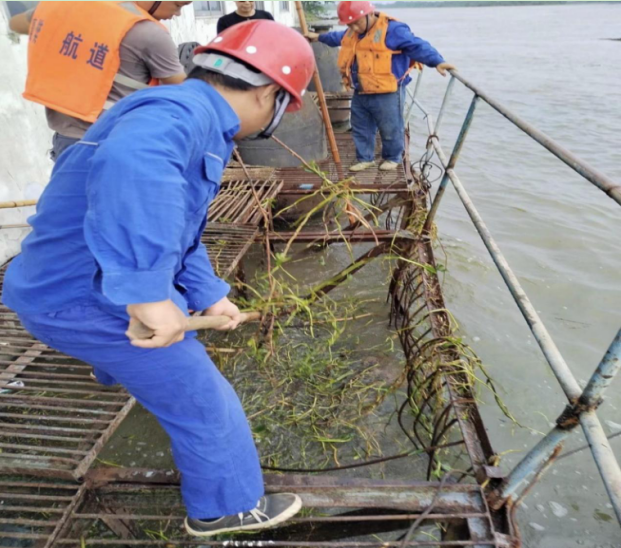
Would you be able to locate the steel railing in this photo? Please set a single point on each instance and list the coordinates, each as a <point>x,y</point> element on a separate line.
<point>583,404</point>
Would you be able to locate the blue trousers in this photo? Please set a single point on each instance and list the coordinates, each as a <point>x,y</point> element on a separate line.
<point>383,112</point>
<point>211,441</point>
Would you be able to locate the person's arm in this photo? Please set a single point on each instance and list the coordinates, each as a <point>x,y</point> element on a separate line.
<point>268,15</point>
<point>136,208</point>
<point>158,51</point>
<point>332,39</point>
<point>202,287</point>
<point>400,37</point>
<point>205,291</point>
<point>221,25</point>
<point>20,23</point>
<point>176,79</point>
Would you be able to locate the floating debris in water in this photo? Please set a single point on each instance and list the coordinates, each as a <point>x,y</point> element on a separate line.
<point>558,509</point>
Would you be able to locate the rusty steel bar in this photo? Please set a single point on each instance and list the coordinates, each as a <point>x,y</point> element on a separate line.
<point>317,519</point>
<point>344,236</point>
<point>275,543</point>
<point>62,523</point>
<point>371,188</point>
<point>594,176</point>
<point>86,463</point>
<point>53,419</point>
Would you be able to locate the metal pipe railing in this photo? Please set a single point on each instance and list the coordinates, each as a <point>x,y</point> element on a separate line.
<point>583,404</point>
<point>544,339</point>
<point>594,176</point>
<point>461,139</point>
<point>582,412</point>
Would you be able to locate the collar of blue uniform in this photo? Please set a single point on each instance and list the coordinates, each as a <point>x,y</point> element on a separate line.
<point>227,116</point>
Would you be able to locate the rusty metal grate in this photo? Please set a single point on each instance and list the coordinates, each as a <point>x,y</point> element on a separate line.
<point>295,177</point>
<point>32,511</point>
<point>125,507</point>
<point>54,419</point>
<point>236,202</point>
<point>227,244</point>
<point>235,172</point>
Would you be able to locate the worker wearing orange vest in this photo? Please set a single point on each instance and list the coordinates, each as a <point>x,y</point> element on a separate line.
<point>85,56</point>
<point>376,57</point>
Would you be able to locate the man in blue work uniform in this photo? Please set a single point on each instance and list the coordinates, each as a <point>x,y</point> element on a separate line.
<point>116,239</point>
<point>377,54</point>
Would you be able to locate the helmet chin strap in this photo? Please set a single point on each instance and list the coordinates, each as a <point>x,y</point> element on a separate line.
<point>154,7</point>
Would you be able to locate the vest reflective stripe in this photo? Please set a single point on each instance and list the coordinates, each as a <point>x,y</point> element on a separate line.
<point>74,55</point>
<point>373,57</point>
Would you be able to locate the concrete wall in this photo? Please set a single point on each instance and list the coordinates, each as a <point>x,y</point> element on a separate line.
<point>24,136</point>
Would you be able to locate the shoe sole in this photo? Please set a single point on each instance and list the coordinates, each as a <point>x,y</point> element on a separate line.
<point>361,169</point>
<point>285,516</point>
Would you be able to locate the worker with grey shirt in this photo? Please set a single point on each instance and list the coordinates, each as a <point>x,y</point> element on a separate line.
<point>85,56</point>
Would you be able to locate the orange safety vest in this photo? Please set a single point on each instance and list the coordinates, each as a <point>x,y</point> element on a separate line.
<point>373,57</point>
<point>74,55</point>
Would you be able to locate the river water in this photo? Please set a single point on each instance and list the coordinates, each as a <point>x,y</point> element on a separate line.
<point>553,66</point>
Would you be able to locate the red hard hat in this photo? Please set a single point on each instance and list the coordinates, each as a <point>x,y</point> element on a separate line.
<point>350,12</point>
<point>272,48</point>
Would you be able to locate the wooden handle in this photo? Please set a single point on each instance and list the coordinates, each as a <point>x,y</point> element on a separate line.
<point>196,323</point>
<point>19,203</point>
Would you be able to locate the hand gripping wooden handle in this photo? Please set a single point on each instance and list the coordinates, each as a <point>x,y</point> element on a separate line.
<point>195,323</point>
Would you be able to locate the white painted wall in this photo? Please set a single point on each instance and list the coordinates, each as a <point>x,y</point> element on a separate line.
<point>189,28</point>
<point>24,136</point>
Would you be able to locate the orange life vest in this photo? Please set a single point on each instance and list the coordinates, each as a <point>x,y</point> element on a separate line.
<point>374,59</point>
<point>74,55</point>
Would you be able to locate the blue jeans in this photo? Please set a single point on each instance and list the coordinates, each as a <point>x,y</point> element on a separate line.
<point>60,143</point>
<point>211,441</point>
<point>383,111</point>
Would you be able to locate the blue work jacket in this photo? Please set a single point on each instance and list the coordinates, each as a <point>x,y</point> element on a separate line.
<point>121,219</point>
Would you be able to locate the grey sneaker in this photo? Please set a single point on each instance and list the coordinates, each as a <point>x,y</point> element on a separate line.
<point>387,165</point>
<point>361,166</point>
<point>271,510</point>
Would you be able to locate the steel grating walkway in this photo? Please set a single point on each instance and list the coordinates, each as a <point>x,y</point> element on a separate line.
<point>54,419</point>
<point>296,176</point>
<point>121,507</point>
<point>236,203</point>
<point>227,244</point>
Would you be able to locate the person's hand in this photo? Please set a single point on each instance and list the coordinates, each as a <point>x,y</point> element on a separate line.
<point>164,318</point>
<point>311,36</point>
<point>442,68</point>
<point>225,308</point>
